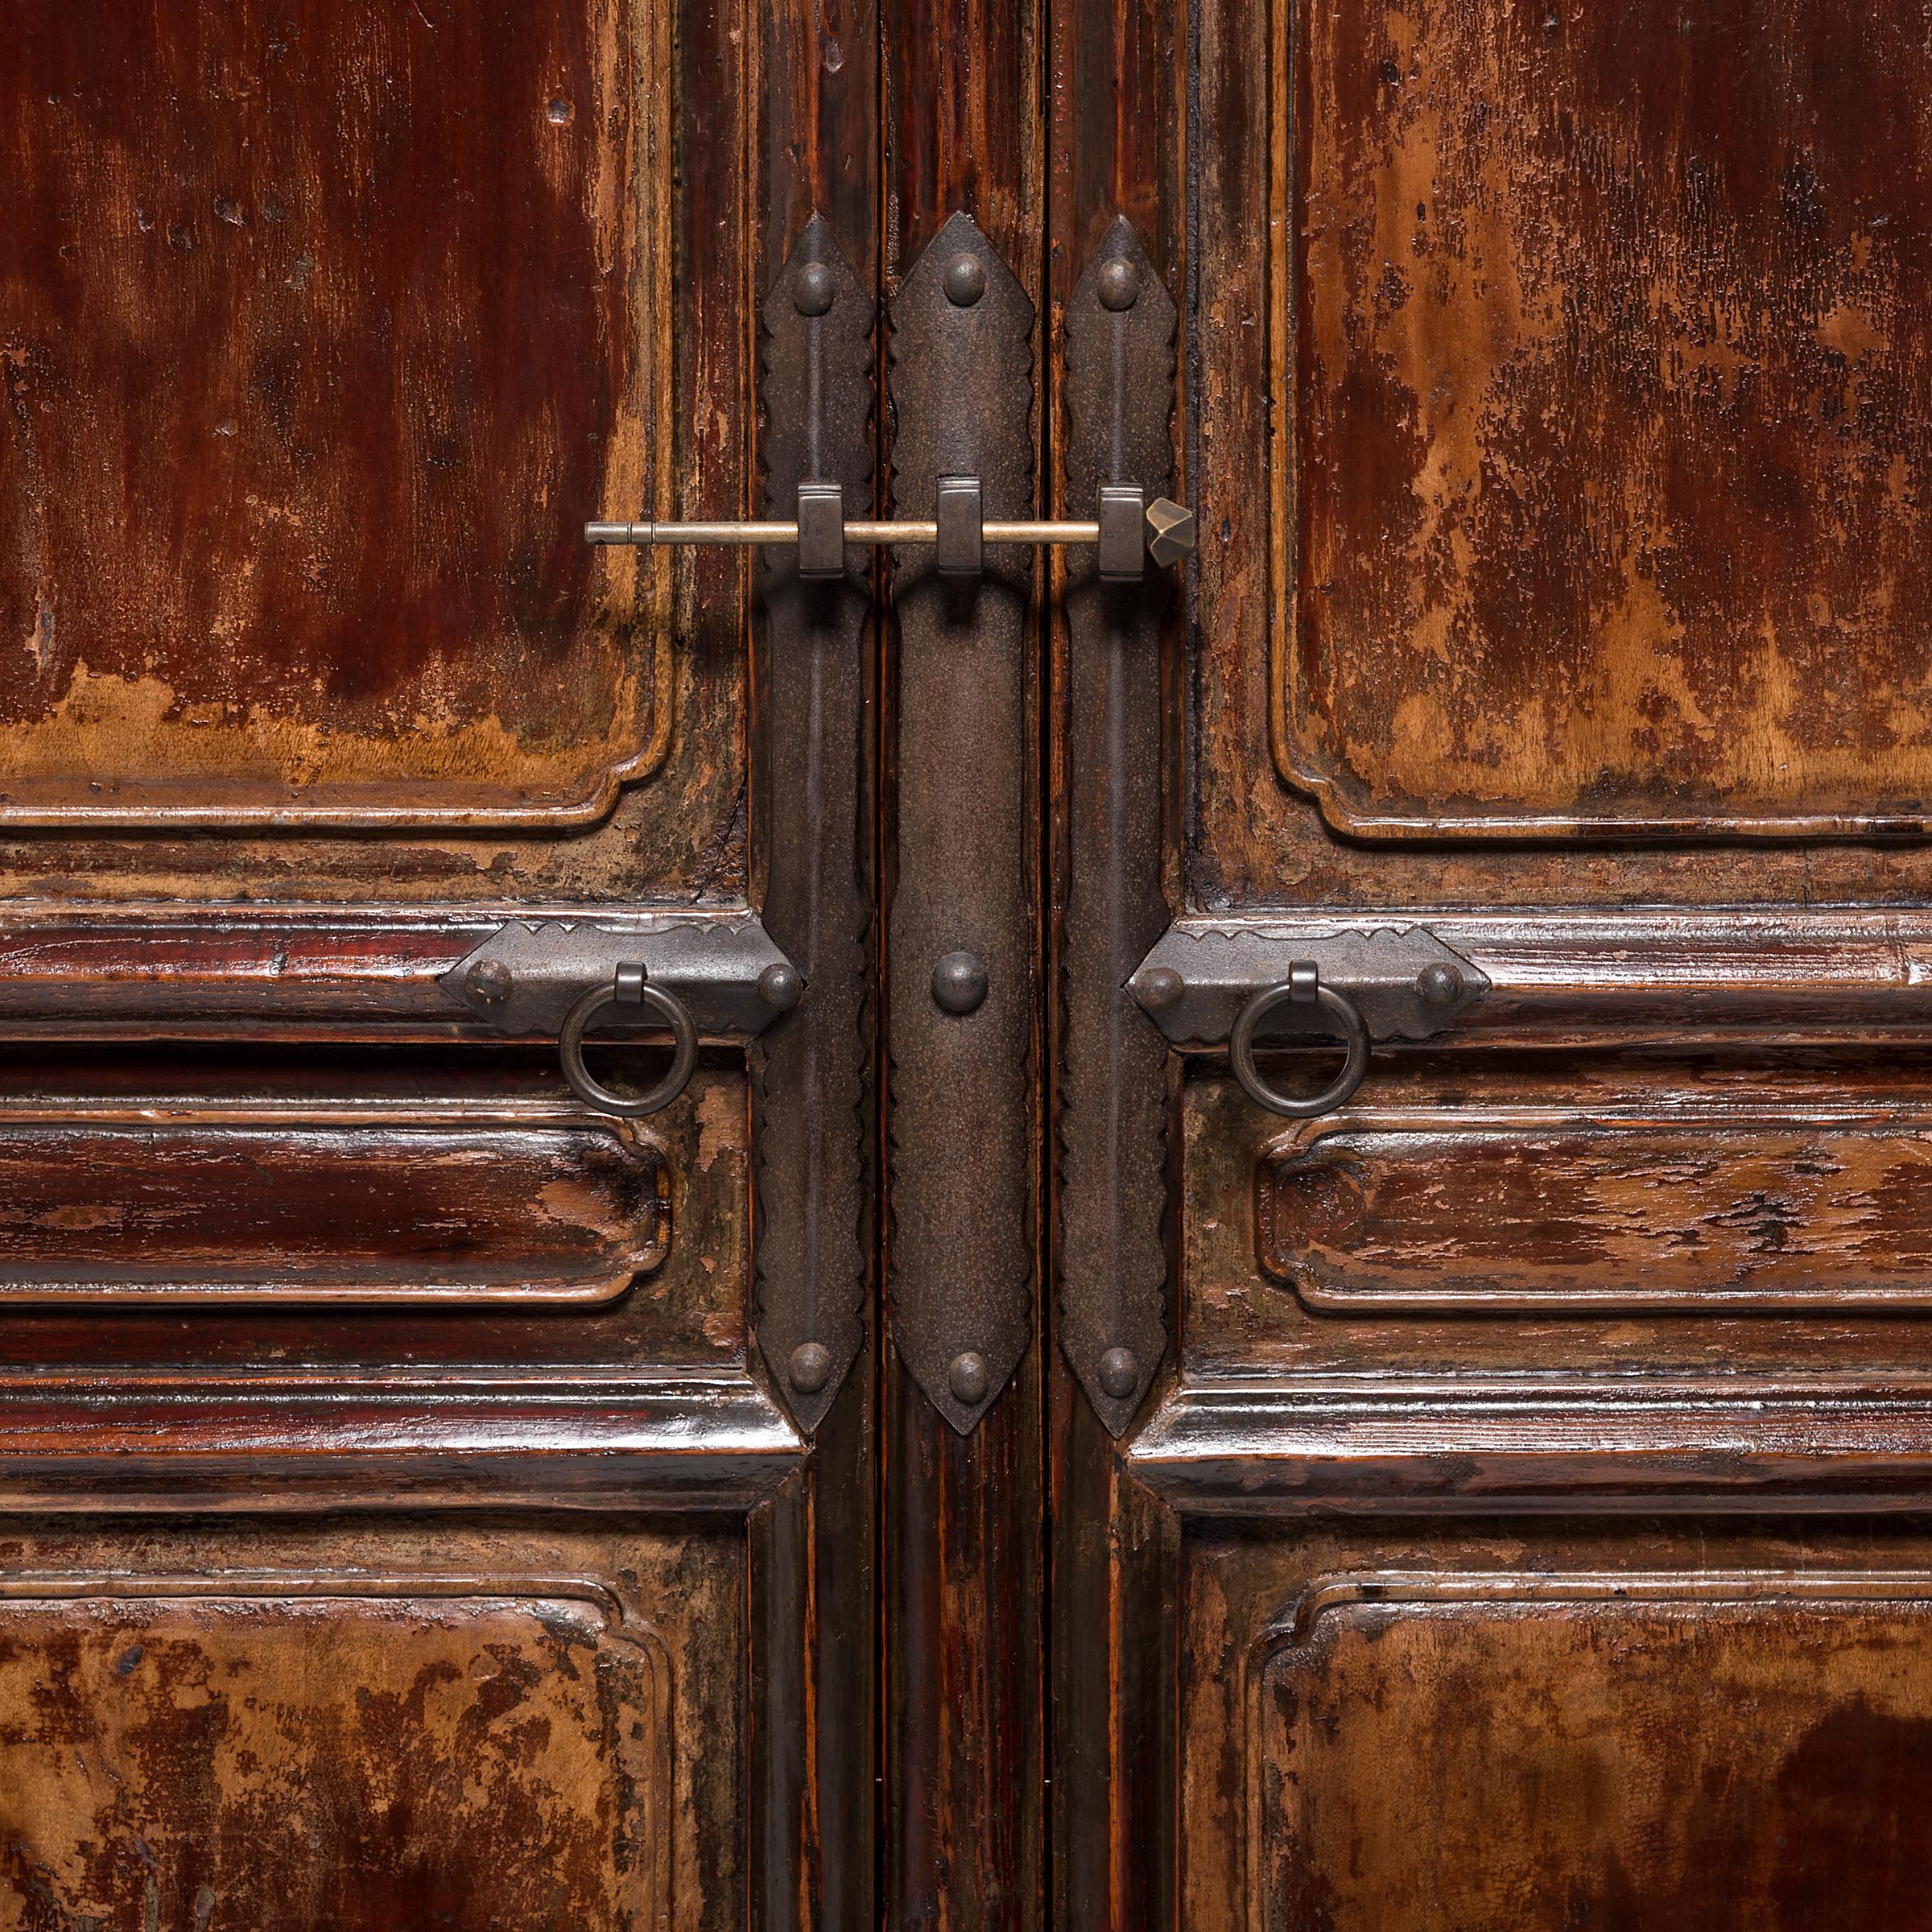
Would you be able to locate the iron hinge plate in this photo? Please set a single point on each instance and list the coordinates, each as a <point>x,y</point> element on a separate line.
<point>524,978</point>
<point>1408,985</point>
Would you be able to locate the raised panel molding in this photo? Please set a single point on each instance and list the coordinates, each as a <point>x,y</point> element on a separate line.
<point>1706,1206</point>
<point>373,1204</point>
<point>1434,1749</point>
<point>1607,380</point>
<point>322,344</point>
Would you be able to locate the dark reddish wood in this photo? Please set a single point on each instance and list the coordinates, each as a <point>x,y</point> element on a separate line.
<point>377,1206</point>
<point>299,1194</point>
<point>813,1595</point>
<point>1118,82</point>
<point>308,1722</point>
<point>964,1643</point>
<point>1610,419</point>
<point>1685,1725</point>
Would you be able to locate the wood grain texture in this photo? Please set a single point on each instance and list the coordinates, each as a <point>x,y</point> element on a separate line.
<point>1610,418</point>
<point>292,1198</point>
<point>1693,1726</point>
<point>324,1723</point>
<point>1490,1210</point>
<point>678,835</point>
<point>961,1583</point>
<point>1787,1243</point>
<point>1254,838</point>
<point>384,1207</point>
<point>324,333</point>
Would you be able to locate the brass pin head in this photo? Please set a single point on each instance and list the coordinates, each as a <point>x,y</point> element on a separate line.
<point>1170,531</point>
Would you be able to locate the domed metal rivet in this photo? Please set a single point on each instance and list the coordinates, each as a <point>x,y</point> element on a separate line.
<point>1440,984</point>
<point>1119,1372</point>
<point>809,1365</point>
<point>813,291</point>
<point>1119,284</point>
<point>965,280</point>
<point>959,982</point>
<point>967,1378</point>
<point>1158,987</point>
<point>489,982</point>
<point>779,986</point>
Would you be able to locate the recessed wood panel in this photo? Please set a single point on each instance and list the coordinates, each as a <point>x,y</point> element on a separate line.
<point>377,1204</point>
<point>1700,1208</point>
<point>1612,384</point>
<point>314,1751</point>
<point>322,331</point>
<point>1673,1751</point>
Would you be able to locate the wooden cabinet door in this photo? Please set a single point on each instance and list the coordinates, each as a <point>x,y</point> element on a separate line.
<point>402,1524</point>
<point>1520,1530</point>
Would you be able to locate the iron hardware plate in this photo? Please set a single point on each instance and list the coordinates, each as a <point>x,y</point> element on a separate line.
<point>960,1029</point>
<point>524,978</point>
<point>1408,985</point>
<point>1112,1261</point>
<point>811,1071</point>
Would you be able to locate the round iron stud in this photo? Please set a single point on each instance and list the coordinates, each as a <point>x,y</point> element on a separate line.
<point>1440,984</point>
<point>779,986</point>
<point>1119,1372</point>
<point>814,290</point>
<point>959,983</point>
<point>968,1378</point>
<point>1119,284</point>
<point>809,1368</point>
<point>489,982</point>
<point>1158,987</point>
<point>964,280</point>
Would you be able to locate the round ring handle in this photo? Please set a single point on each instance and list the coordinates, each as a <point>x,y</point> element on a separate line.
<point>1303,988</point>
<point>628,988</point>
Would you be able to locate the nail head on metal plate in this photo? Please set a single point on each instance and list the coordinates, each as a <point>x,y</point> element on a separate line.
<point>1119,284</point>
<point>815,289</point>
<point>810,1364</point>
<point>959,982</point>
<point>964,280</point>
<point>967,1379</point>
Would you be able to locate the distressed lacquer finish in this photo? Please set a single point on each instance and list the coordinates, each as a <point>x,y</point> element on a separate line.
<point>1709,1209</point>
<point>1693,1726</point>
<point>296,453</point>
<point>376,1204</point>
<point>1611,416</point>
<point>293,1723</point>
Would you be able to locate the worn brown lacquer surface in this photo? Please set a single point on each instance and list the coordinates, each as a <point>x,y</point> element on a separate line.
<point>309,1725</point>
<point>1743,1208</point>
<point>379,1205</point>
<point>321,334</point>
<point>1610,386</point>
<point>1698,1727</point>
<point>1630,1214</point>
<point>363,1210</point>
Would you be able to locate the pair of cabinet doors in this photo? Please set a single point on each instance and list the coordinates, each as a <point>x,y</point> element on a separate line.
<point>964,1461</point>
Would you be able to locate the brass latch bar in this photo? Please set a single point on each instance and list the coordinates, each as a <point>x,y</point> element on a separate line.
<point>1130,532</point>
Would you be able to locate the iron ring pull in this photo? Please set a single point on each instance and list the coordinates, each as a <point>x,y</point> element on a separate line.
<point>1303,987</point>
<point>629,988</point>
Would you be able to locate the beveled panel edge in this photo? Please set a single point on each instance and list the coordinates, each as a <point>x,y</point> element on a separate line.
<point>279,1442</point>
<point>1375,1589</point>
<point>1489,1444</point>
<point>597,796</point>
<point>216,1116</point>
<point>1619,1295</point>
<point>1326,791</point>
